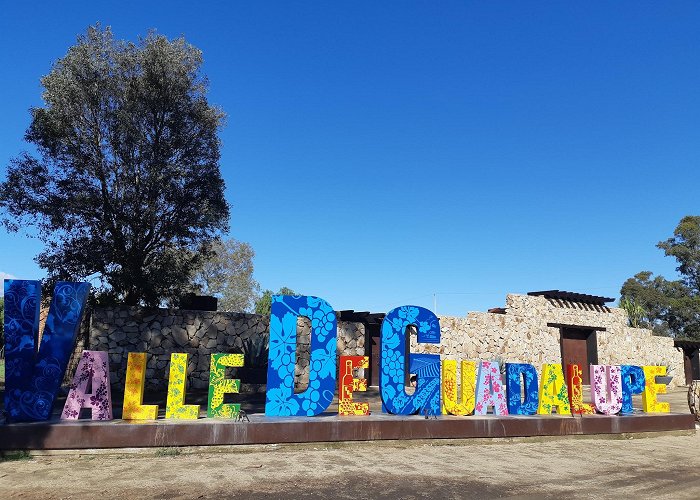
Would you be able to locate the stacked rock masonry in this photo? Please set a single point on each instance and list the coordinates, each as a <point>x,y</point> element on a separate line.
<point>523,333</point>
<point>160,332</point>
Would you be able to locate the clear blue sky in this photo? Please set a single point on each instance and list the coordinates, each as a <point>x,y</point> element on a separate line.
<point>377,153</point>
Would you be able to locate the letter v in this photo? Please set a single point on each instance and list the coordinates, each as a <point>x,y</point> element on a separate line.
<point>32,377</point>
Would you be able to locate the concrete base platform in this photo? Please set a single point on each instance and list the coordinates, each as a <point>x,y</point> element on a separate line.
<point>86,434</point>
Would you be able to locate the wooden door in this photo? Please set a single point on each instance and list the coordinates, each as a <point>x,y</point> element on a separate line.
<point>574,350</point>
<point>688,366</point>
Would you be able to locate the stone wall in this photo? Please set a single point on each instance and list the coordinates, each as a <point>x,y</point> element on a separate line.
<point>351,342</point>
<point>522,335</point>
<point>160,332</point>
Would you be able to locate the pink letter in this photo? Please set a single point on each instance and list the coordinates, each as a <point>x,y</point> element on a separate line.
<point>490,390</point>
<point>93,370</point>
<point>606,387</point>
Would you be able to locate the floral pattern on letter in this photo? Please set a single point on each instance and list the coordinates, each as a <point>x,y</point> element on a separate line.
<point>515,374</point>
<point>606,388</point>
<point>651,389</point>
<point>451,404</point>
<point>633,382</point>
<point>490,390</point>
<point>93,368</point>
<point>134,409</point>
<point>219,386</point>
<point>175,406</point>
<point>553,392</point>
<point>280,398</point>
<point>32,378</point>
<point>426,398</point>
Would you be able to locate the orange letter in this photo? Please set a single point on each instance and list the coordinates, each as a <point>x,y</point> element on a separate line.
<point>348,384</point>
<point>574,381</point>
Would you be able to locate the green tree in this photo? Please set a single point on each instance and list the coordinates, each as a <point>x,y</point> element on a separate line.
<point>672,306</point>
<point>228,275</point>
<point>635,313</point>
<point>264,304</point>
<point>125,188</point>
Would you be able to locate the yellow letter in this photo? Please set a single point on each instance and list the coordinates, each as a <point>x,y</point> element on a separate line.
<point>177,385</point>
<point>553,391</point>
<point>134,409</point>
<point>651,389</point>
<point>465,406</point>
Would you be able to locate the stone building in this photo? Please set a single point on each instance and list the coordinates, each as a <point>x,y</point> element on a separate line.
<point>554,327</point>
<point>543,327</point>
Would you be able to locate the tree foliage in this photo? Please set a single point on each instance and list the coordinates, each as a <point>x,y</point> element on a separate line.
<point>636,313</point>
<point>228,275</point>
<point>672,307</point>
<point>264,303</point>
<point>124,187</point>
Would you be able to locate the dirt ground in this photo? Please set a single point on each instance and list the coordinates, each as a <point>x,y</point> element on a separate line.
<point>663,466</point>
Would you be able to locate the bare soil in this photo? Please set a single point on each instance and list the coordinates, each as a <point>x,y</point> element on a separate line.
<point>660,465</point>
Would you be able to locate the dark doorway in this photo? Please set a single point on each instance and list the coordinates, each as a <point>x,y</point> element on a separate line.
<point>691,364</point>
<point>688,367</point>
<point>694,356</point>
<point>372,323</point>
<point>691,358</point>
<point>579,346</point>
<point>375,349</point>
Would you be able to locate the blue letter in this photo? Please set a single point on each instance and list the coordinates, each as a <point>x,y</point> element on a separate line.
<point>280,398</point>
<point>632,383</point>
<point>426,398</point>
<point>32,378</point>
<point>514,373</point>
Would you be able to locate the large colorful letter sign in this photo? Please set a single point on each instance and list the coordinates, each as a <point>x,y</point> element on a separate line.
<point>553,393</point>
<point>219,386</point>
<point>175,406</point>
<point>426,398</point>
<point>349,384</point>
<point>92,370</point>
<point>606,387</point>
<point>32,378</point>
<point>651,389</point>
<point>490,390</point>
<point>134,409</point>
<point>574,382</point>
<point>632,383</point>
<point>450,403</point>
<point>280,397</point>
<point>515,372</point>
